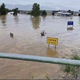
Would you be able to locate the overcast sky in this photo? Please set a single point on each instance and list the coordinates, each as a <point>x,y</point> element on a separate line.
<point>72,4</point>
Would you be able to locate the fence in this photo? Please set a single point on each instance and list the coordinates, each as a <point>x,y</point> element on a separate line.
<point>40,59</point>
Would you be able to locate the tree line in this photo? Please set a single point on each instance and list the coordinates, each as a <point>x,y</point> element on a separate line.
<point>35,10</point>
<point>4,10</point>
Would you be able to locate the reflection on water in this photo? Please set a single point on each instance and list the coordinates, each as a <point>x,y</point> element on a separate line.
<point>71,17</point>
<point>79,20</point>
<point>3,21</point>
<point>16,19</point>
<point>70,29</point>
<point>35,22</point>
<point>44,17</point>
<point>51,53</point>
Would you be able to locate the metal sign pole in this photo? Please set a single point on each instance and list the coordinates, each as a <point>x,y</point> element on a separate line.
<point>48,45</point>
<point>55,46</point>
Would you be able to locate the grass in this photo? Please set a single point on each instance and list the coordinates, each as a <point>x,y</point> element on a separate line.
<point>73,69</point>
<point>32,77</point>
<point>75,57</point>
<point>47,77</point>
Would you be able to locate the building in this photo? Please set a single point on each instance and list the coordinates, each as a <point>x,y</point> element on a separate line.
<point>24,11</point>
<point>54,12</point>
<point>63,13</point>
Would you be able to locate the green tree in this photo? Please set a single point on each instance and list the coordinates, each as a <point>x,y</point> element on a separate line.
<point>3,10</point>
<point>35,10</point>
<point>15,11</point>
<point>0,10</point>
<point>44,13</point>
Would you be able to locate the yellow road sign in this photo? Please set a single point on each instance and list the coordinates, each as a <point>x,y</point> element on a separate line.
<point>53,41</point>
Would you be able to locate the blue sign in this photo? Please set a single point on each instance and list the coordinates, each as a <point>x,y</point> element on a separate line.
<point>70,23</point>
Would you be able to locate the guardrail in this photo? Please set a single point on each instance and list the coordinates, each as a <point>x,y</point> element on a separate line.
<point>40,59</point>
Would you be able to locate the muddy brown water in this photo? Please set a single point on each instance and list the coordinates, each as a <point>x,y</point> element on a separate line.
<point>27,40</point>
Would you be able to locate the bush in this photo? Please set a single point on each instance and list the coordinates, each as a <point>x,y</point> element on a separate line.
<point>44,13</point>
<point>73,69</point>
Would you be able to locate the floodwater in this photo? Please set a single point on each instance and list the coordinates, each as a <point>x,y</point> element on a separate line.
<point>27,40</point>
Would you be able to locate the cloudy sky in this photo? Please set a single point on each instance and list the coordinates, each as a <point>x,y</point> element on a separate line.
<point>68,4</point>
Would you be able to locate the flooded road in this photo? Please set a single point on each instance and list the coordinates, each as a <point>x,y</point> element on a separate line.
<point>27,40</point>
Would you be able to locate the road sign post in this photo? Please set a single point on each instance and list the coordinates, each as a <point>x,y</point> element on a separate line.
<point>70,23</point>
<point>52,41</point>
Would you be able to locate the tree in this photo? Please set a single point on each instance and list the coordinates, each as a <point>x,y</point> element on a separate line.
<point>3,10</point>
<point>44,13</point>
<point>15,11</point>
<point>72,12</point>
<point>35,10</point>
<point>69,11</point>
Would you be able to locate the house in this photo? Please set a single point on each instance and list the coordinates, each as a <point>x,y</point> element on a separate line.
<point>54,12</point>
<point>63,13</point>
